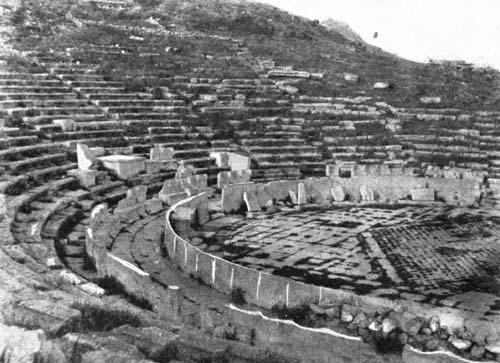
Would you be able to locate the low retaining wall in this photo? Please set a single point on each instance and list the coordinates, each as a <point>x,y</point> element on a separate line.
<point>99,237</point>
<point>386,189</point>
<point>393,188</point>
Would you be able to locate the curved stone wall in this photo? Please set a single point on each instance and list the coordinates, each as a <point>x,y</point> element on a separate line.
<point>266,290</point>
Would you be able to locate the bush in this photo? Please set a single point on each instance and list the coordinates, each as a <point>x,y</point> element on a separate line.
<point>135,85</point>
<point>302,314</point>
<point>238,296</point>
<point>98,318</point>
<point>14,120</point>
<point>157,93</point>
<point>115,287</point>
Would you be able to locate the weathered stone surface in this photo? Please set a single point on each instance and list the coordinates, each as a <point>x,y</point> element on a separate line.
<point>238,162</point>
<point>301,196</point>
<point>375,326</point>
<point>18,345</point>
<point>434,324</point>
<point>184,171</point>
<point>493,347</point>
<point>93,289</point>
<point>293,197</point>
<point>156,166</point>
<point>251,201</point>
<point>361,320</point>
<point>85,158</point>
<point>174,190</point>
<point>233,177</point>
<point>70,277</point>
<point>366,194</point>
<point>460,344</point>
<point>346,316</point>
<point>67,125</point>
<point>422,194</point>
<point>338,193</point>
<point>389,324</point>
<point>125,166</point>
<point>87,178</point>
<point>161,153</point>
<point>477,351</point>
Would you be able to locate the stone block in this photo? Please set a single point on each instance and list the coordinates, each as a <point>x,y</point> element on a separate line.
<point>279,190</point>
<point>251,202</point>
<point>301,195</point>
<point>183,218</point>
<point>422,194</point>
<point>125,166</point>
<point>156,166</point>
<point>87,178</point>
<point>67,125</point>
<point>202,215</point>
<point>184,171</point>
<point>293,197</point>
<point>221,158</point>
<point>138,193</point>
<point>318,189</point>
<point>238,161</point>
<point>85,158</point>
<point>338,193</point>
<point>367,194</point>
<point>263,196</point>
<point>161,153</point>
<point>232,196</point>
<point>172,198</point>
<point>233,177</point>
<point>154,206</point>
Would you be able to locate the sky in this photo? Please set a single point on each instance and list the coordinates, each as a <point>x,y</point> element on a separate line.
<point>418,30</point>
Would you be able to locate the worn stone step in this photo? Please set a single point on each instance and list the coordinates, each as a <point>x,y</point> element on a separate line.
<point>35,161</point>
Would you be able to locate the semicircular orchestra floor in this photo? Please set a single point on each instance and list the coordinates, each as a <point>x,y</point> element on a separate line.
<point>411,252</point>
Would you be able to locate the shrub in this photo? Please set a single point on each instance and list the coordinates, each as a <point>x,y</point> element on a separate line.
<point>157,93</point>
<point>98,318</point>
<point>14,120</point>
<point>238,296</point>
<point>115,287</point>
<point>302,314</point>
<point>135,85</point>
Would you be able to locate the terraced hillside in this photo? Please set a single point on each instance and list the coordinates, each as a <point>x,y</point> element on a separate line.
<point>193,80</point>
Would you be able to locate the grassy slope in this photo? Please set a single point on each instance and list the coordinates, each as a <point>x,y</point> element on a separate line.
<point>267,32</point>
<point>305,44</point>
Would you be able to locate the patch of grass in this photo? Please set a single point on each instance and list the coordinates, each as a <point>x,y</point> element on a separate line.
<point>115,287</point>
<point>98,318</point>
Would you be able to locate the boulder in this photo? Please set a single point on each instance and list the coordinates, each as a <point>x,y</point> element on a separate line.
<point>346,316</point>
<point>434,324</point>
<point>18,345</point>
<point>389,324</point>
<point>361,320</point>
<point>460,344</point>
<point>477,351</point>
<point>493,347</point>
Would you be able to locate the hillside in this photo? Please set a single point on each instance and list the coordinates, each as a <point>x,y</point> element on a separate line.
<point>289,40</point>
<point>342,28</point>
